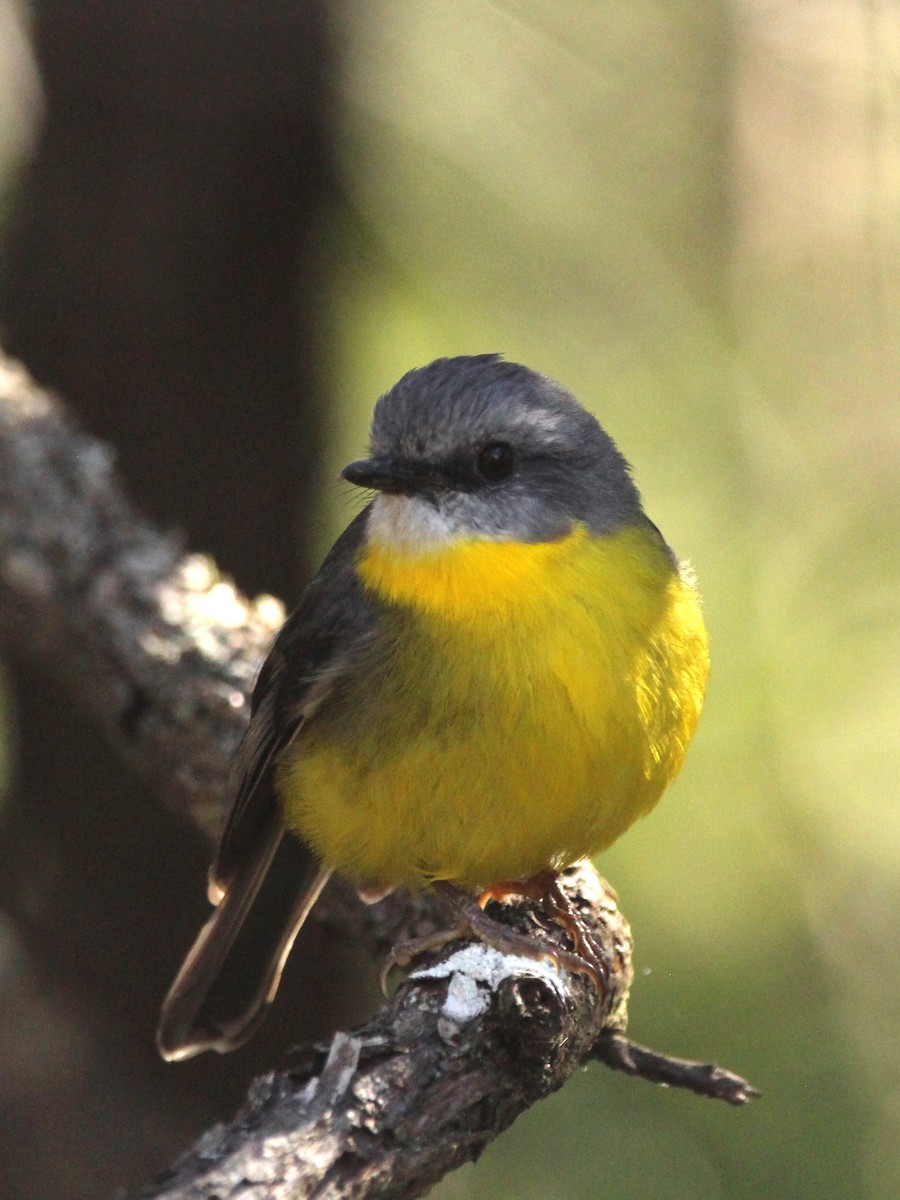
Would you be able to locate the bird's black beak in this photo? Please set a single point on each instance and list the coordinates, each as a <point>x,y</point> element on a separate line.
<point>386,475</point>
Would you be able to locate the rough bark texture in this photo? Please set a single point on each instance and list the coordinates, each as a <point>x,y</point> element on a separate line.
<point>154,643</point>
<point>162,651</point>
<point>462,1049</point>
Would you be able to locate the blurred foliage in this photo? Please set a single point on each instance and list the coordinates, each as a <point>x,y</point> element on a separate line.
<point>688,214</point>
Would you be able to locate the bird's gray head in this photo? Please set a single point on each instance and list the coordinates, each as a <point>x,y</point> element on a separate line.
<point>475,446</point>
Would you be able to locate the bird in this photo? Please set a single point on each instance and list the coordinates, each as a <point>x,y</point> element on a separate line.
<point>496,671</point>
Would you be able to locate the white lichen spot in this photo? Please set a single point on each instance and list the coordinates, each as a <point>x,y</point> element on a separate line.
<point>341,1063</point>
<point>207,641</point>
<point>465,999</point>
<point>224,606</point>
<point>484,964</point>
<point>161,648</point>
<point>171,604</point>
<point>269,610</point>
<point>198,572</point>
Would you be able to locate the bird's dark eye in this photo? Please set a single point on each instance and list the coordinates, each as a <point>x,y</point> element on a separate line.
<point>495,461</point>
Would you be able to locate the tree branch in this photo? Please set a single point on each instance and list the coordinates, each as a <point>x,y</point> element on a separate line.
<point>163,650</point>
<point>154,643</point>
<point>706,1079</point>
<point>464,1047</point>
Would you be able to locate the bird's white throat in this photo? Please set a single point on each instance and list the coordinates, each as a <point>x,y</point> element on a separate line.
<point>410,523</point>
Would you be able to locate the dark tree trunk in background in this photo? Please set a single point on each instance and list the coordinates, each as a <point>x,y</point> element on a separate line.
<point>165,274</point>
<point>165,270</point>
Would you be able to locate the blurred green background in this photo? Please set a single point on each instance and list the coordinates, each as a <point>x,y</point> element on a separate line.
<point>688,213</point>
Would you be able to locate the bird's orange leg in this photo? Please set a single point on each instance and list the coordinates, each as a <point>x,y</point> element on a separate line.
<point>470,920</point>
<point>544,889</point>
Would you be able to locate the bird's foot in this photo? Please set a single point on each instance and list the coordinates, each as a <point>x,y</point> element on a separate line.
<point>545,889</point>
<point>471,921</point>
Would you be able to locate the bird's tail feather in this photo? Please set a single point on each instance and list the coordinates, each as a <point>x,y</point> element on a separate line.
<point>232,971</point>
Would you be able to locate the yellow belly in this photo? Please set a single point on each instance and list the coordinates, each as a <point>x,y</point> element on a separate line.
<point>524,705</point>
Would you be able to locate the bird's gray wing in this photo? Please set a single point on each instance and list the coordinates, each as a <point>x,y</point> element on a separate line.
<point>331,625</point>
<point>263,883</point>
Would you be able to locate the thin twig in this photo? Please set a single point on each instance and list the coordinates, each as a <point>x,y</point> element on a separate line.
<point>706,1079</point>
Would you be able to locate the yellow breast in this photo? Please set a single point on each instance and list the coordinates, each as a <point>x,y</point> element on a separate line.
<point>524,704</point>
